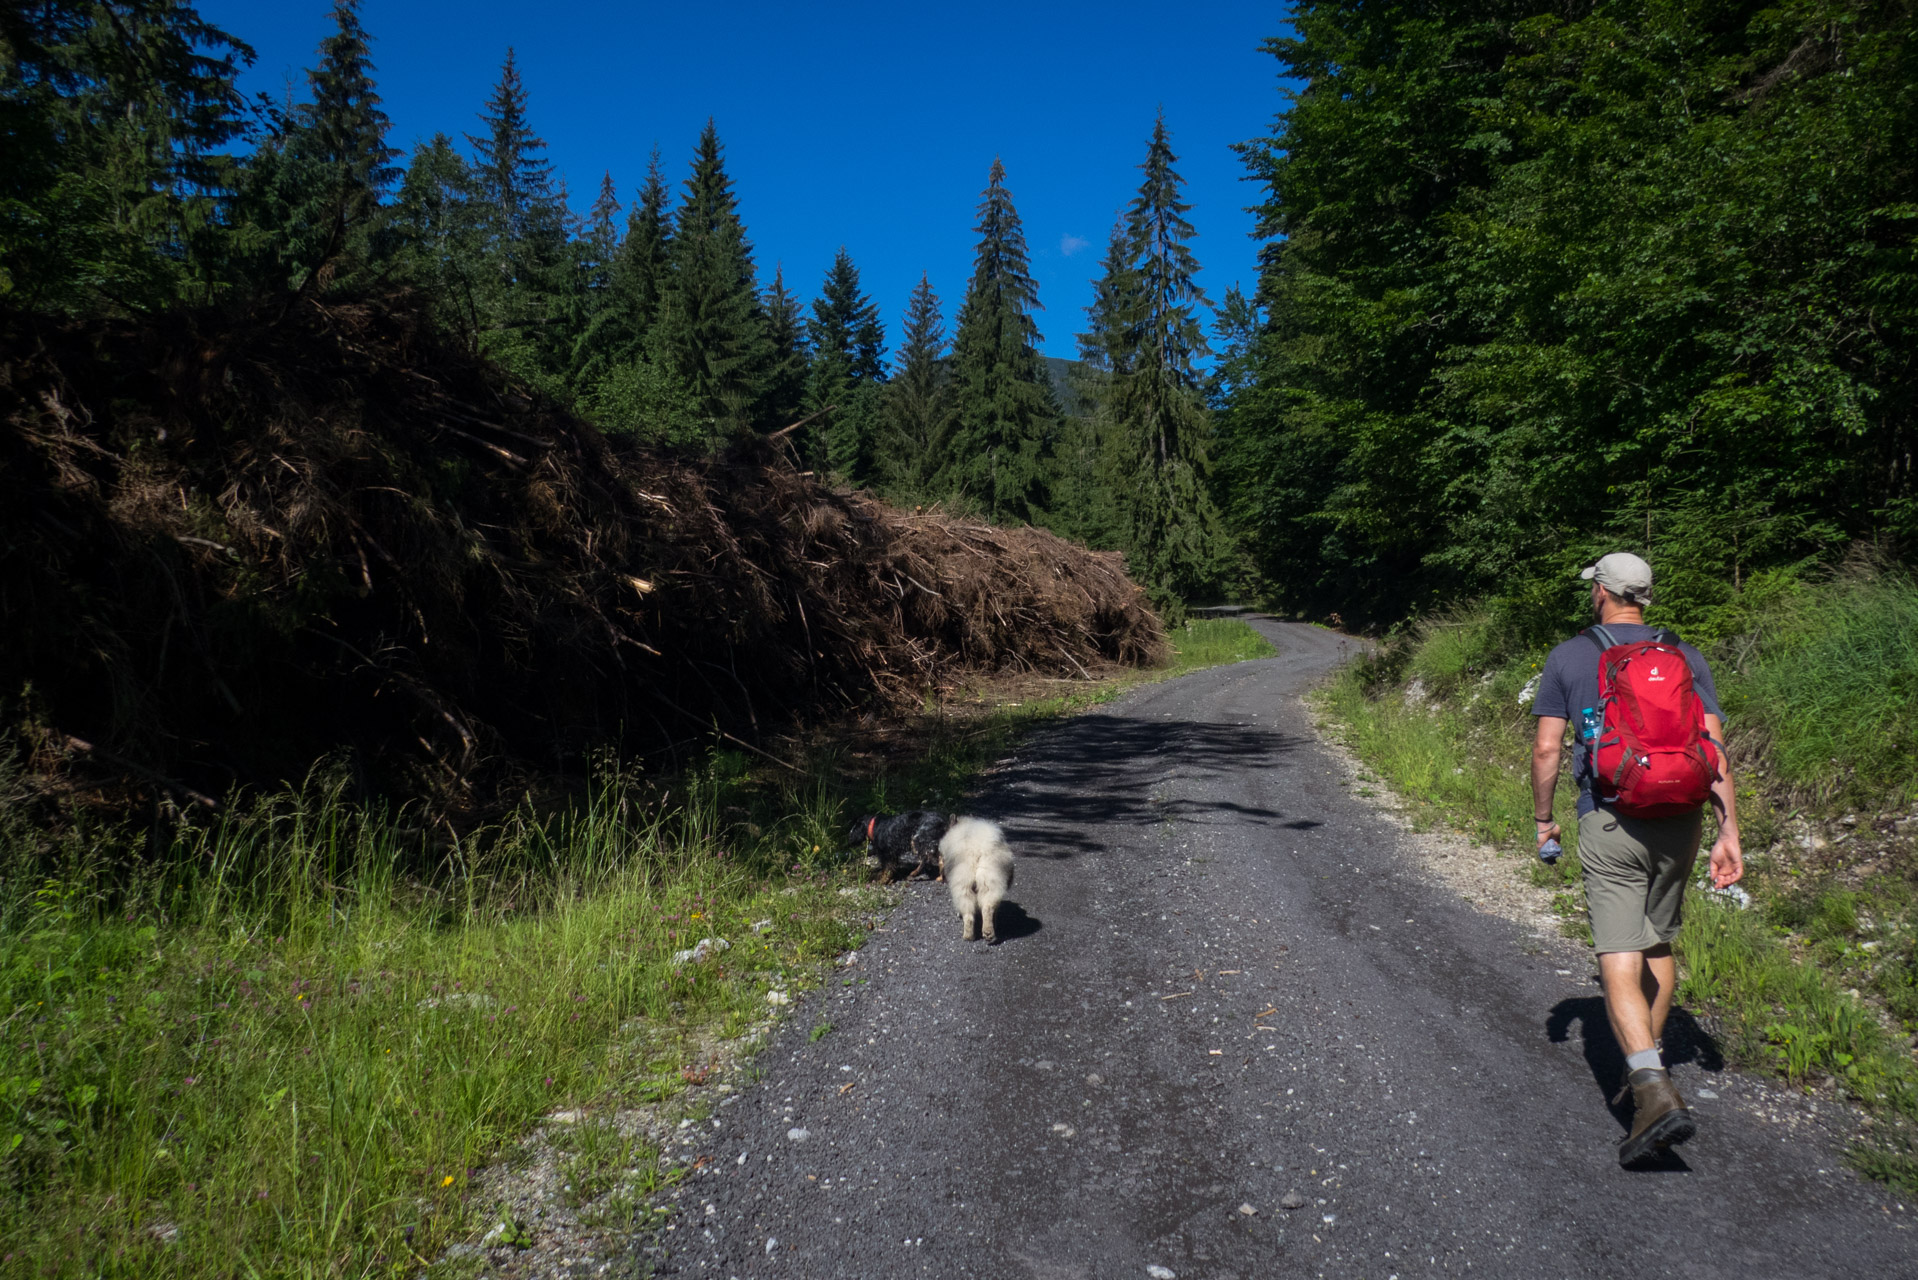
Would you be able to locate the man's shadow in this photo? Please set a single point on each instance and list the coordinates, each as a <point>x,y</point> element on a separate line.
<point>1685,1042</point>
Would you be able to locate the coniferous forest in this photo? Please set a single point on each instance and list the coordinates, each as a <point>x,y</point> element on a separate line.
<point>1532,284</point>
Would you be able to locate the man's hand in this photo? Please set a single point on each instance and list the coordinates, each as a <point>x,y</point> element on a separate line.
<point>1546,831</point>
<point>1728,860</point>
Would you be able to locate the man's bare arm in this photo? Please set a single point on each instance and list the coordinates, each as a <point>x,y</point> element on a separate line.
<point>1727,857</point>
<point>1546,748</point>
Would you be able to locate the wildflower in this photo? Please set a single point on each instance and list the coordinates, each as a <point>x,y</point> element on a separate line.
<point>447,1181</point>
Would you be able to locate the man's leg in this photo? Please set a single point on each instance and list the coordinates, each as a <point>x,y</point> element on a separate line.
<point>1629,1001</point>
<point>1660,983</point>
<point>1632,893</point>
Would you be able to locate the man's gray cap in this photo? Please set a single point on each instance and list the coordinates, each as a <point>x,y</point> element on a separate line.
<point>1624,575</point>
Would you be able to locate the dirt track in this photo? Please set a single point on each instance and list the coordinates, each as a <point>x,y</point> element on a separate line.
<point>1431,1080</point>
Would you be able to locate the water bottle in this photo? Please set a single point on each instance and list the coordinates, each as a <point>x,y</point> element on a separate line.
<point>1549,851</point>
<point>1590,723</point>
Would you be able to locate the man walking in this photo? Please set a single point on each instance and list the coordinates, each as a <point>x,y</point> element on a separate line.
<point>1635,867</point>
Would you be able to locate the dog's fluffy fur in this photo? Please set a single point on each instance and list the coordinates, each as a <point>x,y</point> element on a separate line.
<point>904,845</point>
<point>978,867</point>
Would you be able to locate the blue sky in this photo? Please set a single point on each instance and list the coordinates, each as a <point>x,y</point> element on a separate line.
<point>866,125</point>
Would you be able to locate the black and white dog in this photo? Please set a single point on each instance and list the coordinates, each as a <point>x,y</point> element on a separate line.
<point>904,845</point>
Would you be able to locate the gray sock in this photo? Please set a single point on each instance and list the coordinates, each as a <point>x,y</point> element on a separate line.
<point>1640,1061</point>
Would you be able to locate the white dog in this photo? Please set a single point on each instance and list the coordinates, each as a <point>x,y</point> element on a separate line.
<point>978,869</point>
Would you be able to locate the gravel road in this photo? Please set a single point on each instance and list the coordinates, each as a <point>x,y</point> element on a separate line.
<point>1226,989</point>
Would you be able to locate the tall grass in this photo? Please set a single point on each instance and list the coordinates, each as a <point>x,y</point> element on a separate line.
<point>1831,695</point>
<point>285,1072</point>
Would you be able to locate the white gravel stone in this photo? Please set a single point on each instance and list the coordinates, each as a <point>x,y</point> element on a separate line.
<point>701,951</point>
<point>798,1135</point>
<point>1158,1272</point>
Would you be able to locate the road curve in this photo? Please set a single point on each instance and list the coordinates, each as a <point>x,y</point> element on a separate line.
<point>1226,983</point>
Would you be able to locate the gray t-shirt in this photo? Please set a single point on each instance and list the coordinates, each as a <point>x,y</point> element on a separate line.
<point>1569,684</point>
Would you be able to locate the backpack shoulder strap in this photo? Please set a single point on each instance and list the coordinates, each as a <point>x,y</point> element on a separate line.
<point>1599,636</point>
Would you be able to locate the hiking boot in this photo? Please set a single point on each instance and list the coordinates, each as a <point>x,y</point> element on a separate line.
<point>1660,1118</point>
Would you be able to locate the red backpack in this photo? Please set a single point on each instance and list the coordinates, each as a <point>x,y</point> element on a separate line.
<point>1652,758</point>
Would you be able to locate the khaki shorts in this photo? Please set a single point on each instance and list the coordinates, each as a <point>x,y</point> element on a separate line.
<point>1635,874</point>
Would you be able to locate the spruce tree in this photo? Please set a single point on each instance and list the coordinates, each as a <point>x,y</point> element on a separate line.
<point>1091,476</point>
<point>437,233</point>
<point>616,332</point>
<point>1005,406</point>
<point>639,272</point>
<point>1106,345</point>
<point>340,149</point>
<point>918,416</point>
<point>512,178</point>
<point>1151,336</point>
<point>114,189</point>
<point>600,245</point>
<point>783,397</point>
<point>848,354</point>
<point>530,293</point>
<point>712,324</point>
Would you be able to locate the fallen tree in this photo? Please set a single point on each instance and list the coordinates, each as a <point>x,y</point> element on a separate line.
<point>234,546</point>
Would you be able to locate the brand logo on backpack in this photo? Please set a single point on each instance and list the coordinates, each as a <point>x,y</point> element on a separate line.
<point>1651,758</point>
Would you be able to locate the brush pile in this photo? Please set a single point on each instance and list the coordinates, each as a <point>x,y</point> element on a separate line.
<point>232,547</point>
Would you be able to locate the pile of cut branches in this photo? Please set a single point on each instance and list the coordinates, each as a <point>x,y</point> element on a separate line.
<point>234,546</point>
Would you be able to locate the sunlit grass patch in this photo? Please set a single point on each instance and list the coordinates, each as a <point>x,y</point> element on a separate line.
<point>1831,697</point>
<point>302,1077</point>
<point>1211,642</point>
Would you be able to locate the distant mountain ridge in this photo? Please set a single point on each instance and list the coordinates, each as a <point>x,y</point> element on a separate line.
<point>1060,370</point>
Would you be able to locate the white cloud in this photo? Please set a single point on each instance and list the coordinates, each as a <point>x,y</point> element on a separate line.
<point>1070,244</point>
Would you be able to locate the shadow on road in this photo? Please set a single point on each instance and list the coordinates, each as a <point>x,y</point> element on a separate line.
<point>1685,1042</point>
<point>1099,772</point>
<point>1013,922</point>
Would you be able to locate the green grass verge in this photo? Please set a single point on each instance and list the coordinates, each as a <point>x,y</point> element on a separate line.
<point>286,1073</point>
<point>1831,695</point>
<point>1211,642</point>
<point>1780,980</point>
<point>275,1052</point>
